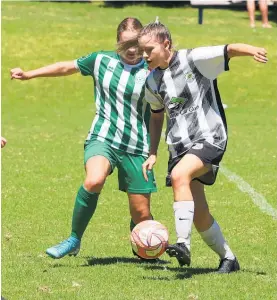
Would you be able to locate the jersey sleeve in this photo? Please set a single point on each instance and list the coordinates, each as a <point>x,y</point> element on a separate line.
<point>151,94</point>
<point>210,61</point>
<point>153,100</point>
<point>86,64</point>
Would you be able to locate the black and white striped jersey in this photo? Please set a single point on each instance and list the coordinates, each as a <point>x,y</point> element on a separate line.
<point>188,91</point>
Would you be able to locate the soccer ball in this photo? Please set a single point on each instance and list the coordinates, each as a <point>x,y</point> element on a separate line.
<point>149,239</point>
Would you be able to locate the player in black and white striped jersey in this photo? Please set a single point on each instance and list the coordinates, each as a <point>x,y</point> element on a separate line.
<point>183,84</point>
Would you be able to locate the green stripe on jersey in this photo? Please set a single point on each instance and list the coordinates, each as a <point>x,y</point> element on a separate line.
<point>114,114</point>
<point>120,104</point>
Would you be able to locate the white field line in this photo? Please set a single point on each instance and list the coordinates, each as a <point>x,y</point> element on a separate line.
<point>257,198</point>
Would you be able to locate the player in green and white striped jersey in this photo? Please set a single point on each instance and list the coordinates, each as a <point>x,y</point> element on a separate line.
<point>121,112</point>
<point>118,136</point>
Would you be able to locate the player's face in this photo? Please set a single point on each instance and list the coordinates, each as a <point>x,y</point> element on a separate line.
<point>154,52</point>
<point>131,56</point>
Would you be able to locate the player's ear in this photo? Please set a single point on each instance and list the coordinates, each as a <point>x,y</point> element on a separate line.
<point>167,44</point>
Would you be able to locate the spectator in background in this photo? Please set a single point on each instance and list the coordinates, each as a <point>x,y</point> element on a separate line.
<point>264,11</point>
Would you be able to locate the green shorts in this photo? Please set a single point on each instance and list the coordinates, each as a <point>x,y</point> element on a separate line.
<point>130,176</point>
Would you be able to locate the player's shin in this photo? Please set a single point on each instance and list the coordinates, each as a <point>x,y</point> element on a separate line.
<point>183,212</point>
<point>85,206</point>
<point>213,237</point>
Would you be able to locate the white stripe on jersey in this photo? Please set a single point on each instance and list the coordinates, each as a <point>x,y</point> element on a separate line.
<point>97,96</point>
<point>183,59</point>
<point>107,103</point>
<point>216,115</point>
<point>134,132</point>
<point>170,86</point>
<point>120,106</point>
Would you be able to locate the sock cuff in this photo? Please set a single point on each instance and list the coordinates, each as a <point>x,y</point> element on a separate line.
<point>214,227</point>
<point>184,204</point>
<point>87,195</point>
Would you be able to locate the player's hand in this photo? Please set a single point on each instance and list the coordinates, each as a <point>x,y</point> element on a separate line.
<point>17,73</point>
<point>259,55</point>
<point>148,165</point>
<point>3,142</point>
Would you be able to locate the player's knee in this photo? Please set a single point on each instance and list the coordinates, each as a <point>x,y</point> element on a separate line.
<point>178,179</point>
<point>94,184</point>
<point>141,214</point>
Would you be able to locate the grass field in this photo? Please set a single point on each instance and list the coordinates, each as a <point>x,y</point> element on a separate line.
<point>46,121</point>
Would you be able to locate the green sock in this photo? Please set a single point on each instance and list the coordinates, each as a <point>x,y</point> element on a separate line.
<point>85,205</point>
<point>132,225</point>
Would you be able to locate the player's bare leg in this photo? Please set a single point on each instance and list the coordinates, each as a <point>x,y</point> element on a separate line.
<point>139,205</point>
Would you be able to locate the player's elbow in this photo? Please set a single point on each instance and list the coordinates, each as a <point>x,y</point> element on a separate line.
<point>66,68</point>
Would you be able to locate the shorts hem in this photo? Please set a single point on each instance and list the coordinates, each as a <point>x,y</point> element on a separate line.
<point>103,155</point>
<point>137,191</point>
<point>170,185</point>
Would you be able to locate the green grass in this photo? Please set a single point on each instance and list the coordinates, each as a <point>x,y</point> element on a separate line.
<point>46,122</point>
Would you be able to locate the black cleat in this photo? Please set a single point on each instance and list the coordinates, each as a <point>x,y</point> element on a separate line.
<point>227,266</point>
<point>181,252</point>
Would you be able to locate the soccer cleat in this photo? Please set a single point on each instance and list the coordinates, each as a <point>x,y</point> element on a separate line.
<point>181,252</point>
<point>69,247</point>
<point>227,266</point>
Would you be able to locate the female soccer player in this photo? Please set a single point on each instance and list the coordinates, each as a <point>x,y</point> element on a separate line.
<point>183,83</point>
<point>118,136</point>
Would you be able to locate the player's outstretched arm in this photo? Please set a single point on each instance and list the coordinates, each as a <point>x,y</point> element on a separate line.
<point>259,54</point>
<point>58,69</point>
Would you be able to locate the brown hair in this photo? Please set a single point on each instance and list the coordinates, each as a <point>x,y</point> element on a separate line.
<point>157,29</point>
<point>128,24</point>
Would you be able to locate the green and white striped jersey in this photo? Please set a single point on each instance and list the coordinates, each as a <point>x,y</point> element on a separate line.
<point>122,114</point>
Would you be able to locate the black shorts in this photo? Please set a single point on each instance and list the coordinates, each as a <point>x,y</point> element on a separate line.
<point>208,153</point>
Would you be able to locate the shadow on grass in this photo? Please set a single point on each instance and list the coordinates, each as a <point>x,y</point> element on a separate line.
<point>181,273</point>
<point>159,265</point>
<point>187,273</point>
<point>96,261</point>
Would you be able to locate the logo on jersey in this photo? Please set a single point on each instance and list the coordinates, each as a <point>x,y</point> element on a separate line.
<point>189,110</point>
<point>175,102</point>
<point>84,57</point>
<point>197,146</point>
<point>141,77</point>
<point>177,106</point>
<point>110,68</point>
<point>189,76</point>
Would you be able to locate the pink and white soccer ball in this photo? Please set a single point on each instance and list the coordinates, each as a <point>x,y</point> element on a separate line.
<point>149,239</point>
